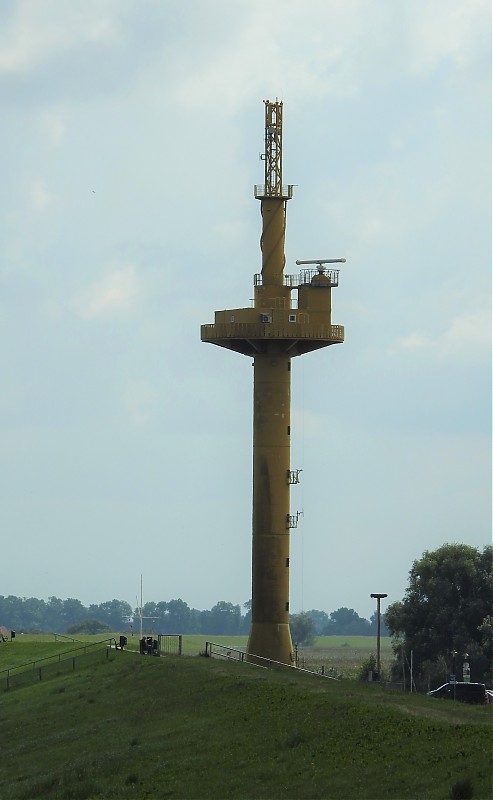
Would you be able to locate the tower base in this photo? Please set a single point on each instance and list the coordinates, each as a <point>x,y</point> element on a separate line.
<point>271,641</point>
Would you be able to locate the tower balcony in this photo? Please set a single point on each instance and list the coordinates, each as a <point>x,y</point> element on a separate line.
<point>261,192</point>
<point>290,333</point>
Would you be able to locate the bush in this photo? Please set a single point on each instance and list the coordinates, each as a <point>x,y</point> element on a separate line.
<point>368,665</point>
<point>89,626</point>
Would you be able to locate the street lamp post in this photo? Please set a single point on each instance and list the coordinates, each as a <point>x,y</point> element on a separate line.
<point>378,598</point>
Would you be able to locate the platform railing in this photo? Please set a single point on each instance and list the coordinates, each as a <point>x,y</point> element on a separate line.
<point>304,278</point>
<point>260,330</point>
<point>214,650</point>
<point>261,192</point>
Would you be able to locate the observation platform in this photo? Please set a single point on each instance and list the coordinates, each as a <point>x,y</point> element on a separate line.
<point>251,332</point>
<point>263,192</point>
<point>272,325</point>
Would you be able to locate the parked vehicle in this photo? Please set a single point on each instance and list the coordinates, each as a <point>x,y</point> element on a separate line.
<point>464,692</point>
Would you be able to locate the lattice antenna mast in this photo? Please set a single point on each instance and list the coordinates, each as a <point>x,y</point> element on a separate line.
<point>273,149</point>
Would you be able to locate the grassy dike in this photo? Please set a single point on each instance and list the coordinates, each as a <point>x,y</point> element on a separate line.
<point>191,727</point>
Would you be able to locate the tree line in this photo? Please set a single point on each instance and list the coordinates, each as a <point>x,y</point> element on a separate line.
<point>443,625</point>
<point>55,615</point>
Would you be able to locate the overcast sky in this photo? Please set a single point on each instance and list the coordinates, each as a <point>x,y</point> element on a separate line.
<point>130,134</point>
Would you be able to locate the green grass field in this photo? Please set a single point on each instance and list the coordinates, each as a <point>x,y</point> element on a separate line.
<point>142,727</point>
<point>31,647</point>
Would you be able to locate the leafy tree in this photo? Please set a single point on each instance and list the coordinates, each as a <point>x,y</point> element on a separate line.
<point>33,614</point>
<point>73,612</point>
<point>9,612</point>
<point>302,628</point>
<point>320,620</point>
<point>225,619</point>
<point>194,621</point>
<point>21,614</point>
<point>346,622</point>
<point>54,618</point>
<point>445,609</point>
<point>150,611</point>
<point>177,616</point>
<point>246,620</point>
<point>114,613</point>
<point>151,618</point>
<point>384,631</point>
<point>486,632</point>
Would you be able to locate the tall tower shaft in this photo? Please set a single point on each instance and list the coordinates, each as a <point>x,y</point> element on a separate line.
<point>273,331</point>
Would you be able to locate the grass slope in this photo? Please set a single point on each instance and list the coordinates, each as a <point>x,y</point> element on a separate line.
<point>342,655</point>
<point>138,727</point>
<point>27,649</point>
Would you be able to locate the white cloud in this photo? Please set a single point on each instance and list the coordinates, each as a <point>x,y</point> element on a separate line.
<point>260,56</point>
<point>41,199</point>
<point>231,232</point>
<point>322,47</point>
<point>114,294</point>
<point>444,30</point>
<point>415,341</point>
<point>55,125</point>
<point>470,331</point>
<point>40,29</point>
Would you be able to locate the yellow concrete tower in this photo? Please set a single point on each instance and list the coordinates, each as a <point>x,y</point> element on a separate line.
<point>273,331</point>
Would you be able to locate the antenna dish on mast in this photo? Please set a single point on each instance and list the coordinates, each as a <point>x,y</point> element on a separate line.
<point>321,261</point>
